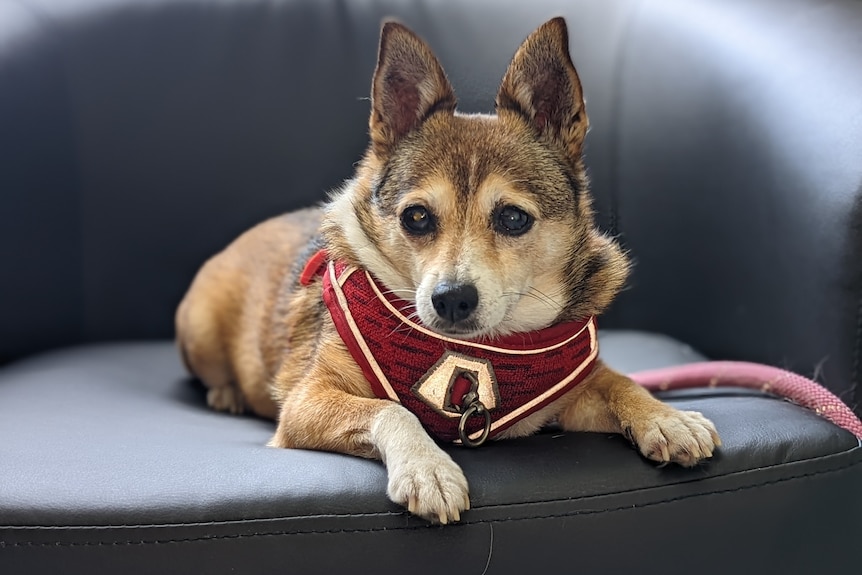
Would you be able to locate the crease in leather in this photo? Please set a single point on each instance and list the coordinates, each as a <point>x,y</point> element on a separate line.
<point>415,526</point>
<point>614,123</point>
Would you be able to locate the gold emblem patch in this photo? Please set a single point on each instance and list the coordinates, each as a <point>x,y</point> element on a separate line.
<point>445,384</point>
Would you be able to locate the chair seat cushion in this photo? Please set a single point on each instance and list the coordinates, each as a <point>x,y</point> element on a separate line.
<point>109,460</point>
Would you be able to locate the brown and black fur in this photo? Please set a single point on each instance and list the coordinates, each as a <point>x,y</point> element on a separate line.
<point>261,342</point>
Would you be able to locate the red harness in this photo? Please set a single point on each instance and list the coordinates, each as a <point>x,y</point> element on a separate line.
<point>462,391</point>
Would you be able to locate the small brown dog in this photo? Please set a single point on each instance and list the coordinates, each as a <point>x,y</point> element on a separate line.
<point>449,288</point>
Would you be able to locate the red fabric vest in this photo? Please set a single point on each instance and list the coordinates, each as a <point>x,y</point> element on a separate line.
<point>514,376</point>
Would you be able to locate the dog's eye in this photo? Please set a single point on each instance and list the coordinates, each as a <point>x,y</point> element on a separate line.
<point>417,220</point>
<point>512,221</point>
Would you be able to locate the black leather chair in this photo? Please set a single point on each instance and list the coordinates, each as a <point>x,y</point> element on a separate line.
<point>138,137</point>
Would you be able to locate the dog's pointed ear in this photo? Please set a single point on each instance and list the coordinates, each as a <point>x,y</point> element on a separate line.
<point>409,85</point>
<point>542,85</point>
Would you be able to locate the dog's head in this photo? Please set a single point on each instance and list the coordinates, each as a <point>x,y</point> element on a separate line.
<point>483,221</point>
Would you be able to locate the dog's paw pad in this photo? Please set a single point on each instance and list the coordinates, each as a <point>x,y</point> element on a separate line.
<point>672,436</point>
<point>226,399</point>
<point>431,487</point>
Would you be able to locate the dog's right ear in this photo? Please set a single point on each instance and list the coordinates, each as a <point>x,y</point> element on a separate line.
<point>409,85</point>
<point>542,86</point>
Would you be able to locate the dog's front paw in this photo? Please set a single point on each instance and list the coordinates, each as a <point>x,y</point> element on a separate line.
<point>673,436</point>
<point>430,485</point>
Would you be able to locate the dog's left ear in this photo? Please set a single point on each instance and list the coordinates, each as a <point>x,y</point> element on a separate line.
<point>542,85</point>
<point>409,85</point>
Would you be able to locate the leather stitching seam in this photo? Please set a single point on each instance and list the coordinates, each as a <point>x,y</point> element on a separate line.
<point>58,544</point>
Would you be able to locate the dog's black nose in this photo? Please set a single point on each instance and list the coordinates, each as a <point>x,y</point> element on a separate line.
<point>454,301</point>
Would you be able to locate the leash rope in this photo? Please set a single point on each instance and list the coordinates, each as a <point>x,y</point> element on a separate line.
<point>785,384</point>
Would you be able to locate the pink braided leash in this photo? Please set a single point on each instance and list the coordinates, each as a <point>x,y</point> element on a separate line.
<point>798,389</point>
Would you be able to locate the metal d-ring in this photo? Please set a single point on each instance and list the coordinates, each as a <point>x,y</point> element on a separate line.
<point>475,408</point>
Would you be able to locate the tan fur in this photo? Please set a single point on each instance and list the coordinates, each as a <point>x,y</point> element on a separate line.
<point>263,343</point>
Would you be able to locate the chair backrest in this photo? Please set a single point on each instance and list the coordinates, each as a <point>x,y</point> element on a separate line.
<point>138,138</point>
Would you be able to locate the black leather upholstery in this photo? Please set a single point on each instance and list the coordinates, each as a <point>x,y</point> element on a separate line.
<point>722,150</point>
<point>138,137</point>
<point>734,136</point>
<point>138,475</point>
<point>145,135</point>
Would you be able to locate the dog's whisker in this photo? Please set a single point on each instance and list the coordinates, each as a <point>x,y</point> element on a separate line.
<point>406,328</point>
<point>537,295</point>
<point>399,290</point>
<point>547,298</point>
<point>414,317</point>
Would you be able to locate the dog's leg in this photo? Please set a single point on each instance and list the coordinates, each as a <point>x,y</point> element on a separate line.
<point>202,352</point>
<point>611,402</point>
<point>422,477</point>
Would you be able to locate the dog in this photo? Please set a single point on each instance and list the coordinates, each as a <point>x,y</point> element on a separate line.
<point>474,237</point>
